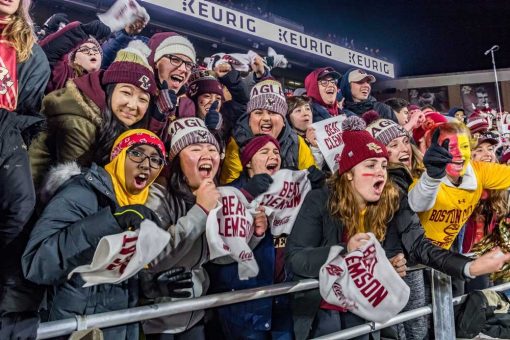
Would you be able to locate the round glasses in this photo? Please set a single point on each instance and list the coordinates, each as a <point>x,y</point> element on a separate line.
<point>176,61</point>
<point>88,50</point>
<point>326,82</point>
<point>137,156</point>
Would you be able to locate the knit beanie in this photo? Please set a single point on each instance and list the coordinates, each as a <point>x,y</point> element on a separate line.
<point>432,119</point>
<point>131,66</point>
<point>358,144</point>
<point>188,131</point>
<point>170,43</point>
<point>268,94</point>
<point>386,130</point>
<point>91,40</point>
<point>477,124</point>
<point>254,145</point>
<point>203,81</point>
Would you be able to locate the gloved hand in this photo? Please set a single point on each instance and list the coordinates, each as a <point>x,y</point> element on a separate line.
<point>437,157</point>
<point>166,284</point>
<point>96,29</point>
<point>165,101</point>
<point>213,119</point>
<point>131,216</point>
<point>53,23</point>
<point>258,184</point>
<point>316,177</point>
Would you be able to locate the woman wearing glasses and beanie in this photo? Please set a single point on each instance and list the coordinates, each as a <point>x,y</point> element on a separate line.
<point>86,116</point>
<point>173,60</point>
<point>85,206</point>
<point>74,51</point>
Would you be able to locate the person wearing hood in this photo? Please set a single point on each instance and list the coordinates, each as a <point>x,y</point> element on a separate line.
<point>74,51</point>
<point>86,116</point>
<point>84,206</point>
<point>458,113</point>
<point>173,59</point>
<point>322,87</point>
<point>265,114</point>
<point>355,87</point>
<point>25,72</point>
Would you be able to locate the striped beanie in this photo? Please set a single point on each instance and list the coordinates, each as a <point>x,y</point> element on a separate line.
<point>268,94</point>
<point>477,124</point>
<point>385,130</point>
<point>188,131</point>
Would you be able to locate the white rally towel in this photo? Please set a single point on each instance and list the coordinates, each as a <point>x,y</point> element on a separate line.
<point>229,229</point>
<point>118,257</point>
<point>123,13</point>
<point>242,62</point>
<point>363,282</point>
<point>329,139</point>
<point>283,199</point>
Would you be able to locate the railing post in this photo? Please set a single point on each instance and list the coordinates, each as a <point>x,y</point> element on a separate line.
<point>442,306</point>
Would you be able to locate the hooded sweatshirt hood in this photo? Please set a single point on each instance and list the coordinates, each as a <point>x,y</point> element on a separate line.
<point>312,91</point>
<point>345,86</point>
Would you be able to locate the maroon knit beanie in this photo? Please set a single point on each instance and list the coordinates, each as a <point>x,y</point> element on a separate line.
<point>358,145</point>
<point>505,157</point>
<point>254,145</point>
<point>203,81</point>
<point>130,66</point>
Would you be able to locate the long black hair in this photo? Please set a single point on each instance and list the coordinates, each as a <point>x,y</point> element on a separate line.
<point>178,184</point>
<point>109,130</point>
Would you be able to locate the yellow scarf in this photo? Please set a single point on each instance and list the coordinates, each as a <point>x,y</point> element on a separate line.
<point>117,167</point>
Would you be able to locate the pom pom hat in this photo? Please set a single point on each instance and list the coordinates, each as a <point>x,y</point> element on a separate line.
<point>359,145</point>
<point>131,66</point>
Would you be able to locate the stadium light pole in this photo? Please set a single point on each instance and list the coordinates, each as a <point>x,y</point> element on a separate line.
<point>491,51</point>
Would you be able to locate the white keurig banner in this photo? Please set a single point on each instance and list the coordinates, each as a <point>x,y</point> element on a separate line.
<point>329,139</point>
<point>120,256</point>
<point>241,22</point>
<point>229,229</point>
<point>283,199</point>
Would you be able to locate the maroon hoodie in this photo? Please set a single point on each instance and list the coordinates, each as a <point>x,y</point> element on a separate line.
<point>312,91</point>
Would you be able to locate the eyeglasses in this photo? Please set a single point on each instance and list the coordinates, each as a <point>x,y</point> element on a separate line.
<point>176,61</point>
<point>325,82</point>
<point>89,50</point>
<point>137,156</point>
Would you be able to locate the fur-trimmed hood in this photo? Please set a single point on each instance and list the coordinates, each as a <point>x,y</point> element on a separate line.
<point>58,175</point>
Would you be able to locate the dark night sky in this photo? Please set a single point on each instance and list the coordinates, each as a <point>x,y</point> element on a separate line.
<point>419,37</point>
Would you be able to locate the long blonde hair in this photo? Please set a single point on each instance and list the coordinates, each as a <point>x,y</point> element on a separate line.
<point>343,205</point>
<point>19,31</point>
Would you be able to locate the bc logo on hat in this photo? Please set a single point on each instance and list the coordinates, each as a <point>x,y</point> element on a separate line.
<point>144,82</point>
<point>374,147</point>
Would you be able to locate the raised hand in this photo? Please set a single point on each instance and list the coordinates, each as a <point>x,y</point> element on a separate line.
<point>437,157</point>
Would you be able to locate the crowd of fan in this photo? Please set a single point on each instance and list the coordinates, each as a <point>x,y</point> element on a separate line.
<point>102,130</point>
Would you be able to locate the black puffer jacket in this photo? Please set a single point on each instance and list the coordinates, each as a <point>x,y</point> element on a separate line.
<point>315,231</point>
<point>65,237</point>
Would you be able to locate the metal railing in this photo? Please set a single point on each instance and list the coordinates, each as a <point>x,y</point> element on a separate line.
<point>441,296</point>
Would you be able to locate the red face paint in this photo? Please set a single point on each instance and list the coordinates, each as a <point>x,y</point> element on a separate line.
<point>368,175</point>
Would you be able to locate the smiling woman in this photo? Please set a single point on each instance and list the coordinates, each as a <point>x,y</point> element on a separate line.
<point>86,116</point>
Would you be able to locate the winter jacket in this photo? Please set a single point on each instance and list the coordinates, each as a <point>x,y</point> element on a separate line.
<point>117,42</point>
<point>352,108</point>
<point>484,312</point>
<point>74,116</point>
<point>17,195</point>
<point>187,248</point>
<point>65,237</point>
<point>293,149</point>
<point>57,47</point>
<point>315,231</point>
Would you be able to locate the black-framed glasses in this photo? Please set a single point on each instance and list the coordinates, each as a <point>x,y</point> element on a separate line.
<point>89,50</point>
<point>325,82</point>
<point>176,61</point>
<point>138,156</point>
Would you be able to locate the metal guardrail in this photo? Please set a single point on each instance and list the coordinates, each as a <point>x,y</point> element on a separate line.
<point>63,327</point>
